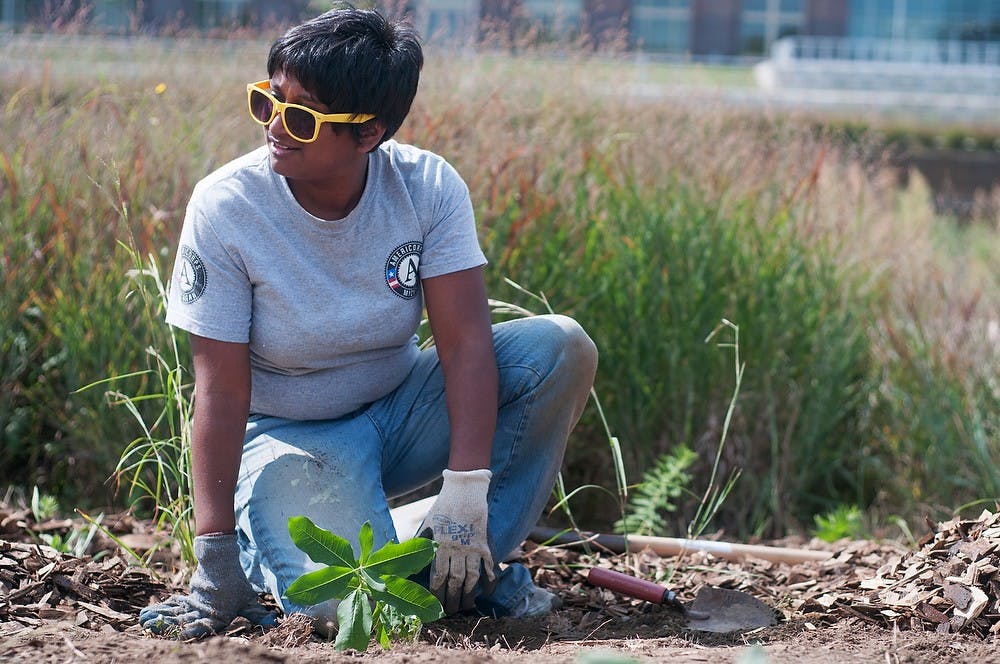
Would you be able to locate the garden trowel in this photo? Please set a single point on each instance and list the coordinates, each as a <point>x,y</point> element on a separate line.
<point>718,610</point>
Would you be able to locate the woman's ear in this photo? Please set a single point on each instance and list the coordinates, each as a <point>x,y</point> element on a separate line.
<point>370,134</point>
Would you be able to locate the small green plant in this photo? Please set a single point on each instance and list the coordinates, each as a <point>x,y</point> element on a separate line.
<point>844,521</point>
<point>43,506</point>
<point>603,656</point>
<point>401,606</point>
<point>655,496</point>
<point>76,542</point>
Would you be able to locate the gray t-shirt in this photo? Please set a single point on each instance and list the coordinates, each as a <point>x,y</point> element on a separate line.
<point>330,309</point>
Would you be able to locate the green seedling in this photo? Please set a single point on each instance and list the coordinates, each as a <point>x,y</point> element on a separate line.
<point>844,521</point>
<point>43,506</point>
<point>400,605</point>
<point>76,542</point>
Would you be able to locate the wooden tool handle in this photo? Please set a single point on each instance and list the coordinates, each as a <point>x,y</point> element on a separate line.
<point>627,585</point>
<point>672,546</point>
<point>669,546</point>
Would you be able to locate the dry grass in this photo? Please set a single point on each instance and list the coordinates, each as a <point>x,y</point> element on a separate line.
<point>859,306</point>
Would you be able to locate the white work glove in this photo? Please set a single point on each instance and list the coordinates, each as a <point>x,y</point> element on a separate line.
<point>458,523</point>
<point>219,592</point>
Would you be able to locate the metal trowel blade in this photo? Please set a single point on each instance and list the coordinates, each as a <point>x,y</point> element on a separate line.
<point>723,611</point>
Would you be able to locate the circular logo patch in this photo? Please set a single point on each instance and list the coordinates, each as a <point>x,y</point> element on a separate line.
<point>401,269</point>
<point>193,276</point>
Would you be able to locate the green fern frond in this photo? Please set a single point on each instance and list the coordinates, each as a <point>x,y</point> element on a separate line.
<point>655,497</point>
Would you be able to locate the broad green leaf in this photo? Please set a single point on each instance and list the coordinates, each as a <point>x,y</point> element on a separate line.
<point>382,634</point>
<point>354,618</point>
<point>320,545</point>
<point>402,559</point>
<point>373,582</point>
<point>410,599</point>
<point>367,540</point>
<point>332,582</point>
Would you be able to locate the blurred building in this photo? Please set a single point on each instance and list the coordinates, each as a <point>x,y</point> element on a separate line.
<point>150,15</point>
<point>703,29</point>
<point>713,28</point>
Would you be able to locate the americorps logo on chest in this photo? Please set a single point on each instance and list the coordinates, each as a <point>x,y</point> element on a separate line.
<point>402,269</point>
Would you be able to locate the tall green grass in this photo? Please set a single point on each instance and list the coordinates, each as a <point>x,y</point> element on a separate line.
<point>649,270</point>
<point>74,154</point>
<point>865,328</point>
<point>154,469</point>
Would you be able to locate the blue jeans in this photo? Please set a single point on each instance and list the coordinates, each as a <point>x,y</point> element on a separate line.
<point>340,472</point>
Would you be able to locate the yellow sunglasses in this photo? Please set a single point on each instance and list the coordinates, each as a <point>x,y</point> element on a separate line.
<point>301,122</point>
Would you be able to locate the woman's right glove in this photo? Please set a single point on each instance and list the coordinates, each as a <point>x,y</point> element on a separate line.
<point>219,592</point>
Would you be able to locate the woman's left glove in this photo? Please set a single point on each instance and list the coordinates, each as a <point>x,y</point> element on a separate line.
<point>219,592</point>
<point>458,520</point>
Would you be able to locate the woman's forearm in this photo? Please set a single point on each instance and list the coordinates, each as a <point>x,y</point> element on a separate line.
<point>221,407</point>
<point>471,397</point>
<point>217,444</point>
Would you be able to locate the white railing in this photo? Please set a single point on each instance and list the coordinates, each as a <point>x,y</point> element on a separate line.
<point>917,52</point>
<point>842,64</point>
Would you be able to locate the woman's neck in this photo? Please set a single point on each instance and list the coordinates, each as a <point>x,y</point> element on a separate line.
<point>330,199</point>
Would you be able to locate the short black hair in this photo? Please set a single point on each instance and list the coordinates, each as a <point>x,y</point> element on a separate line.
<point>354,61</point>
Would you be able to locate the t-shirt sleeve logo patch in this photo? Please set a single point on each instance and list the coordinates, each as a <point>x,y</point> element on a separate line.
<point>402,269</point>
<point>193,277</point>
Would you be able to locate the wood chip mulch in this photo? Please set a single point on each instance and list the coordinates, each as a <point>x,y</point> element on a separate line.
<point>38,583</point>
<point>950,582</point>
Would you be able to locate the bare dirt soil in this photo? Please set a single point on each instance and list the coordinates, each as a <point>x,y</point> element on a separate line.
<point>869,602</point>
<point>534,641</point>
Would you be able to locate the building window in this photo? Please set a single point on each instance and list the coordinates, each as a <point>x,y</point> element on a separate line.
<point>557,18</point>
<point>924,19</point>
<point>447,21</point>
<point>764,21</point>
<point>12,12</point>
<point>662,25</point>
<point>753,37</point>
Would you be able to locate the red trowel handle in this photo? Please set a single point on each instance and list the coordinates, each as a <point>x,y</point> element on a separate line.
<point>631,586</point>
